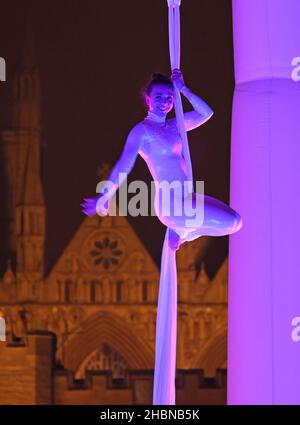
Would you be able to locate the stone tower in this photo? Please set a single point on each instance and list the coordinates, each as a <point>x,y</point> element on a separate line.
<point>24,207</point>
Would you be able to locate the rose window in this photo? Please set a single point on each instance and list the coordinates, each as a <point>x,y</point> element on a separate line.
<point>107,252</point>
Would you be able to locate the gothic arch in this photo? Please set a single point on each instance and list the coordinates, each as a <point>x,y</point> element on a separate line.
<point>109,328</point>
<point>214,354</point>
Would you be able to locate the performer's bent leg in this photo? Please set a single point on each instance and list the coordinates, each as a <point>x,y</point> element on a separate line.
<point>218,220</point>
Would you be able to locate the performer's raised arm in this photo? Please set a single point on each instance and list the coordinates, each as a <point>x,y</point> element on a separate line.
<point>126,161</point>
<point>117,176</point>
<point>201,113</point>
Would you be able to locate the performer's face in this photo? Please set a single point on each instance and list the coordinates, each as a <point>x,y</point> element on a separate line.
<point>160,101</point>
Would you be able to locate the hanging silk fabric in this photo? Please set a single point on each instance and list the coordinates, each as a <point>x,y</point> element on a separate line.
<point>166,319</point>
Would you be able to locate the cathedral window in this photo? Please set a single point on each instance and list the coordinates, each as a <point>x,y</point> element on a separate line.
<point>105,358</point>
<point>106,253</point>
<point>144,290</point>
<point>68,284</point>
<point>119,285</point>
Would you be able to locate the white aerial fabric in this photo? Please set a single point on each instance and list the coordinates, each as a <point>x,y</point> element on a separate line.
<point>166,321</point>
<point>166,329</point>
<point>174,49</point>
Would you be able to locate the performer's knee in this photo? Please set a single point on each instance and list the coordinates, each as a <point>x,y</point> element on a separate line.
<point>236,222</point>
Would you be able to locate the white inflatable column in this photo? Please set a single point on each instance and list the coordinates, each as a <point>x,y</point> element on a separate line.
<point>264,257</point>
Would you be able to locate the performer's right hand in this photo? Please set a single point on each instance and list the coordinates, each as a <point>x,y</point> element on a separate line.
<point>95,205</point>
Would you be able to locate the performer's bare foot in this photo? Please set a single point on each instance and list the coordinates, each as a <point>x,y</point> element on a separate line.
<point>174,240</point>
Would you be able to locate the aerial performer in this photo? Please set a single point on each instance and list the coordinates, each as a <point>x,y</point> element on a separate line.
<point>162,143</point>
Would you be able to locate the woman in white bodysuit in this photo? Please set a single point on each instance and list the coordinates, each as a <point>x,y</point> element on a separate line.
<point>157,140</point>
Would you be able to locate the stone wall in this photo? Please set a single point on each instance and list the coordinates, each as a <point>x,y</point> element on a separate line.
<point>28,375</point>
<point>26,369</point>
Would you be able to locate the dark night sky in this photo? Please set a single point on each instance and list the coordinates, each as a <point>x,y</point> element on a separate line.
<point>94,56</point>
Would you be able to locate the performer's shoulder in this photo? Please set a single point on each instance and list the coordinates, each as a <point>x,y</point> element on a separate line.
<point>137,134</point>
<point>139,129</point>
<point>140,125</point>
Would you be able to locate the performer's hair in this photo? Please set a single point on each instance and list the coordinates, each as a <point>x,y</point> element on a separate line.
<point>155,78</point>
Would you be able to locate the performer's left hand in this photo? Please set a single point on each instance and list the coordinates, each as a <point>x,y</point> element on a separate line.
<point>177,78</point>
